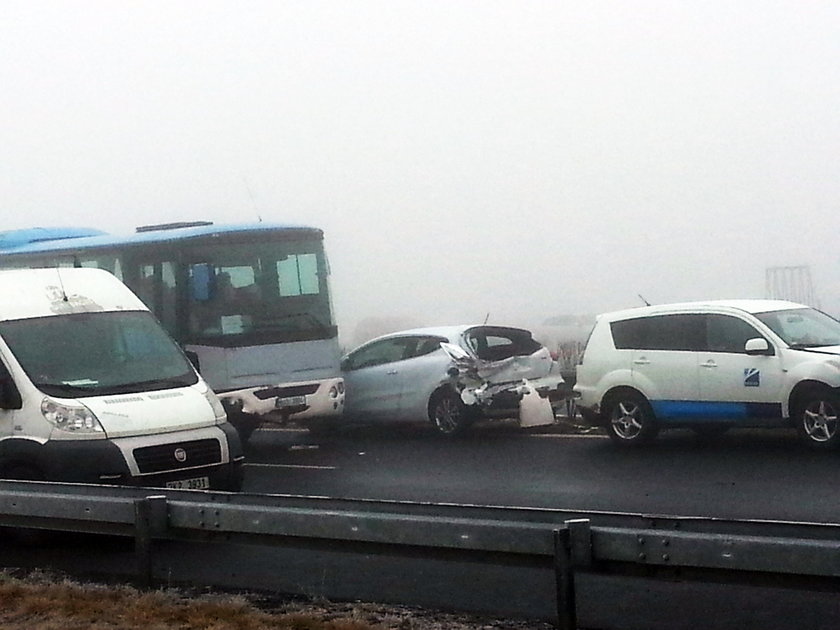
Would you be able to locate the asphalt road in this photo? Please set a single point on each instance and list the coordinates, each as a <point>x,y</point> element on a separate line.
<point>743,474</point>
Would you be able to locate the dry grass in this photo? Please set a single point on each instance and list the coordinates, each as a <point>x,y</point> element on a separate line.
<point>39,601</point>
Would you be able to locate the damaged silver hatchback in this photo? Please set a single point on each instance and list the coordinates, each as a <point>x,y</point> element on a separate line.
<point>452,376</point>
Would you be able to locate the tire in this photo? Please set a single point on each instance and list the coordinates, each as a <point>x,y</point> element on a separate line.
<point>448,413</point>
<point>629,419</point>
<point>245,424</point>
<point>818,418</point>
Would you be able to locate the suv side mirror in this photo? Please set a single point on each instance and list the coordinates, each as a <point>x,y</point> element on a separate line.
<point>757,346</point>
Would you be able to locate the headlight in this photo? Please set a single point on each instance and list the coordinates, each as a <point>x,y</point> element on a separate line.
<point>216,406</point>
<point>71,418</point>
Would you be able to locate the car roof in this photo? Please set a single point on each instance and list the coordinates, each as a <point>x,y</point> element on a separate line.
<point>746,306</point>
<point>452,333</point>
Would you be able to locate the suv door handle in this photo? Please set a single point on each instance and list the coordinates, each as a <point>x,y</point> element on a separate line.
<point>709,364</point>
<point>642,361</point>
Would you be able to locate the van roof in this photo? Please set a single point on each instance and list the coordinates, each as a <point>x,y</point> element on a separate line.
<point>28,293</point>
<point>747,306</point>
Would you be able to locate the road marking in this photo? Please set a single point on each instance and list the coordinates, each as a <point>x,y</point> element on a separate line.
<point>570,436</point>
<point>292,466</point>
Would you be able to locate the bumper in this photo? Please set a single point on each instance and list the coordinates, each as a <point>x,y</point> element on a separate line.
<point>114,462</point>
<point>311,399</point>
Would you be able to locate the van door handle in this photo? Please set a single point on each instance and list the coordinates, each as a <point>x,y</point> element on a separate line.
<point>642,361</point>
<point>709,364</point>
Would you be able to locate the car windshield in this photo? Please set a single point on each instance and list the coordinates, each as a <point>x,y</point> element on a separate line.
<point>90,354</point>
<point>803,327</point>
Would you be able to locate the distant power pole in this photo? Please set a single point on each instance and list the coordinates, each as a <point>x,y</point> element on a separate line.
<point>791,283</point>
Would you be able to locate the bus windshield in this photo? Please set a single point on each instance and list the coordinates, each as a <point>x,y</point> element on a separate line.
<point>258,292</point>
<point>94,354</point>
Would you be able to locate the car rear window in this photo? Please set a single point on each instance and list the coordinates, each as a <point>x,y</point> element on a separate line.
<point>491,343</point>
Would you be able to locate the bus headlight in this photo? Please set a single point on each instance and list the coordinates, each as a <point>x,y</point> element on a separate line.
<point>71,418</point>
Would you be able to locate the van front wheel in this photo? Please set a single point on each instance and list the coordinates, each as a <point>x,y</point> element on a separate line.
<point>630,419</point>
<point>817,419</point>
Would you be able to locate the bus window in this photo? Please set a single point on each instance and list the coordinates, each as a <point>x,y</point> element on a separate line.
<point>110,264</point>
<point>297,274</point>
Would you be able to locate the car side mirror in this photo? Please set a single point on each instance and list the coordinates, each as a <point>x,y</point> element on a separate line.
<point>758,346</point>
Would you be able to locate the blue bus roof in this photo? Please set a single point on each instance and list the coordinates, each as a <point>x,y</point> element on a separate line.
<point>62,238</point>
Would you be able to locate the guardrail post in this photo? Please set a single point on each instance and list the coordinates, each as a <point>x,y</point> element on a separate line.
<point>150,520</point>
<point>572,549</point>
<point>564,580</point>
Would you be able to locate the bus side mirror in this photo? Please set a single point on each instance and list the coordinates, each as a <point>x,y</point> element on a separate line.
<point>758,346</point>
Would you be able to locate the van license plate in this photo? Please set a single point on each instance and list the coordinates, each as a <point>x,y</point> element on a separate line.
<point>291,401</point>
<point>198,483</point>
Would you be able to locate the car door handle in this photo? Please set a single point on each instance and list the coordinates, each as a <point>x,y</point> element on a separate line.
<point>392,372</point>
<point>642,361</point>
<point>709,364</point>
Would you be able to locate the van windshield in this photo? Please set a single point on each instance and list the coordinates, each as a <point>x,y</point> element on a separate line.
<point>803,327</point>
<point>94,354</point>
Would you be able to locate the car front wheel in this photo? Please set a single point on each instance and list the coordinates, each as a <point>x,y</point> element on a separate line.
<point>630,419</point>
<point>448,413</point>
<point>817,419</point>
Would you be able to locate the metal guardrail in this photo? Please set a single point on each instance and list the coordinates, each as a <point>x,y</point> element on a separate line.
<point>712,550</point>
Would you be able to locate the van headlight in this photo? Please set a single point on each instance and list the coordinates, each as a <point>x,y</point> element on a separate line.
<point>71,418</point>
<point>216,406</point>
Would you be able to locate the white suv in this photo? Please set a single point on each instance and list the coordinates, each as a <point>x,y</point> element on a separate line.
<point>711,366</point>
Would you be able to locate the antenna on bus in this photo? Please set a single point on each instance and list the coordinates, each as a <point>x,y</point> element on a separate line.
<point>61,284</point>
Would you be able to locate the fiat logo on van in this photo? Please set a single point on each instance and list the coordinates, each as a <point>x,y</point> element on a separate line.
<point>180,455</point>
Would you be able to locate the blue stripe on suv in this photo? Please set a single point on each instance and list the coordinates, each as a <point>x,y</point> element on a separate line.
<point>702,410</point>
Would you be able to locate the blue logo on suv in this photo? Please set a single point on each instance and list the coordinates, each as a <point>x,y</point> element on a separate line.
<point>752,377</point>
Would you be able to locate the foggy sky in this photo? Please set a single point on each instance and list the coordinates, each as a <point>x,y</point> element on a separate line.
<point>464,158</point>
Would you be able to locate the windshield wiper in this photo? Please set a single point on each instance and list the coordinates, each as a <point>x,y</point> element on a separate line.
<point>66,388</point>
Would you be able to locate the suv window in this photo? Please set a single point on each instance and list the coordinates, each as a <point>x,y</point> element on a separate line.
<point>725,333</point>
<point>682,331</point>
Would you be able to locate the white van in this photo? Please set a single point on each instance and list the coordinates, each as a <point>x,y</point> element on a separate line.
<point>710,366</point>
<point>93,390</point>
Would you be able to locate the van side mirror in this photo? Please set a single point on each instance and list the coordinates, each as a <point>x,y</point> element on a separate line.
<point>9,394</point>
<point>193,357</point>
<point>758,346</point>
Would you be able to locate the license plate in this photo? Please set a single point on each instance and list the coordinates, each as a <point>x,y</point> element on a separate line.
<point>291,401</point>
<point>197,483</point>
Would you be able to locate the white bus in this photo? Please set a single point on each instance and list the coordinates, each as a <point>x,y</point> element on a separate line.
<point>249,303</point>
